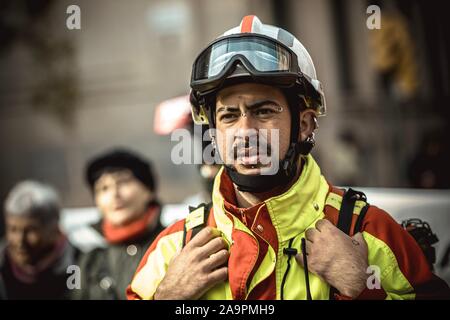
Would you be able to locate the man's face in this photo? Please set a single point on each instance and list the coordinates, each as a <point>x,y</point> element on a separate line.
<point>121,197</point>
<point>29,239</point>
<point>243,110</point>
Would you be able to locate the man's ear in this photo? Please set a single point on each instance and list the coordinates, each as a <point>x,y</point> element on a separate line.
<point>307,123</point>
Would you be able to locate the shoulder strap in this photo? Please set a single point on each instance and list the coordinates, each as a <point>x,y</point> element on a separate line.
<point>346,211</point>
<point>196,220</point>
<point>359,221</point>
<point>346,214</point>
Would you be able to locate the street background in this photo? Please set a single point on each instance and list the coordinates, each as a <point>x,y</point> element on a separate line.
<point>67,95</point>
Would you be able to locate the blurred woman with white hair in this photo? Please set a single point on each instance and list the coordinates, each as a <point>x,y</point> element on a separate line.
<point>35,256</point>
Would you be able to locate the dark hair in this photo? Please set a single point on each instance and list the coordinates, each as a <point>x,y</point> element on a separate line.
<point>117,160</point>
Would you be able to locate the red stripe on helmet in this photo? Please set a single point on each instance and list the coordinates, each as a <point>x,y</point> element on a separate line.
<point>247,23</point>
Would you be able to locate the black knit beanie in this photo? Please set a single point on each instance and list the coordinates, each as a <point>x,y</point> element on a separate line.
<point>121,159</point>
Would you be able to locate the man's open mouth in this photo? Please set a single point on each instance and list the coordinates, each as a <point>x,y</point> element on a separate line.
<point>247,156</point>
<point>251,158</point>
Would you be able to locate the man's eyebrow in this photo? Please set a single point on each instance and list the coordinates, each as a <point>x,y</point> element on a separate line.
<point>260,103</point>
<point>227,108</point>
<point>250,106</point>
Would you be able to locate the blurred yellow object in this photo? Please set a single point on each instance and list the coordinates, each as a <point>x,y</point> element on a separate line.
<point>392,51</point>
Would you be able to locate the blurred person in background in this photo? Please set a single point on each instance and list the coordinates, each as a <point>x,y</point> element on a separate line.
<point>429,168</point>
<point>35,257</point>
<point>348,159</point>
<point>124,190</point>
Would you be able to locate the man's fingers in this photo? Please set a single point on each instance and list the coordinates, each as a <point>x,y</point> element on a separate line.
<point>311,234</point>
<point>212,246</point>
<point>322,224</point>
<point>299,258</point>
<point>175,256</point>
<point>358,237</point>
<point>203,237</point>
<point>358,240</point>
<point>218,275</point>
<point>299,255</point>
<point>217,259</point>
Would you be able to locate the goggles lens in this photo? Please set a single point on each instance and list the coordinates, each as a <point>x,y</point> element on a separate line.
<point>263,54</point>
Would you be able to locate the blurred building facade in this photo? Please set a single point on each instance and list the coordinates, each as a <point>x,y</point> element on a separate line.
<point>66,95</point>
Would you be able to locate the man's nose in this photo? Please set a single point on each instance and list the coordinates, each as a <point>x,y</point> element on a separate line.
<point>246,121</point>
<point>246,137</point>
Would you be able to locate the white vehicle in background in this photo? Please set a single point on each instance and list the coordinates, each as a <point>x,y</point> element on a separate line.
<point>431,206</point>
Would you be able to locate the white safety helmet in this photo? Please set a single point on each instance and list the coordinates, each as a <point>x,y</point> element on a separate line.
<point>266,53</point>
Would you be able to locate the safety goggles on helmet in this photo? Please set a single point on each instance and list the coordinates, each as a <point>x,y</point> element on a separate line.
<point>263,57</point>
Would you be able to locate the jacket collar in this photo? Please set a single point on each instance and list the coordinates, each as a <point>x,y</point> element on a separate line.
<point>291,212</point>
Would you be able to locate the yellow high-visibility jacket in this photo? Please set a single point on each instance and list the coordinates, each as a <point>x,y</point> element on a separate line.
<point>257,272</point>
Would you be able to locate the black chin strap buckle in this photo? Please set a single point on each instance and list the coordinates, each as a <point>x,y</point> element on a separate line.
<point>288,162</point>
<point>305,147</point>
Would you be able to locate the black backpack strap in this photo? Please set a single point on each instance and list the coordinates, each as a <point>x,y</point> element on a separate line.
<point>346,214</point>
<point>196,220</point>
<point>359,221</point>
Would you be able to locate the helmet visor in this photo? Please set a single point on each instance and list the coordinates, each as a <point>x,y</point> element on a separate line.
<point>258,53</point>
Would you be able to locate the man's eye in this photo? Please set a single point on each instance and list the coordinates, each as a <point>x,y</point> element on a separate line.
<point>264,111</point>
<point>228,117</point>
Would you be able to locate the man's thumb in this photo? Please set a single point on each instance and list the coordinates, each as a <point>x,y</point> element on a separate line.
<point>358,240</point>
<point>175,255</point>
<point>299,258</point>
